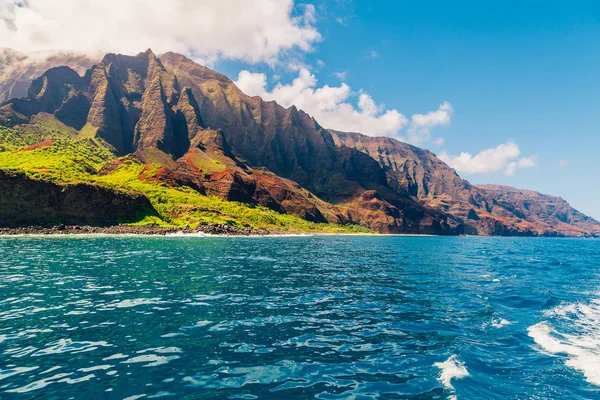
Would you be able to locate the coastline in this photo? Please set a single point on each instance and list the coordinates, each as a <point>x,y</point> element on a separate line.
<point>148,230</point>
<point>204,230</point>
<point>210,230</point>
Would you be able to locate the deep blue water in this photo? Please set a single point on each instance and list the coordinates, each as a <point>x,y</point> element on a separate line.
<point>328,317</point>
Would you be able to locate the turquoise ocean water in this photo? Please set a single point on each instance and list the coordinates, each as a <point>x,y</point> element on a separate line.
<point>327,317</point>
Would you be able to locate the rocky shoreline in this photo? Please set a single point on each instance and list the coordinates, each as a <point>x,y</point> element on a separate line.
<point>209,229</point>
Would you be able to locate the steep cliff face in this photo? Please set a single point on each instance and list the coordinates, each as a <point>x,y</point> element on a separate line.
<point>27,201</point>
<point>293,145</point>
<point>484,210</point>
<point>286,141</point>
<point>189,119</point>
<point>417,172</point>
<point>204,133</point>
<point>539,211</point>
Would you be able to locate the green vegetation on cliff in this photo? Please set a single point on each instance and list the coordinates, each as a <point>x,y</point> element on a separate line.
<point>48,150</point>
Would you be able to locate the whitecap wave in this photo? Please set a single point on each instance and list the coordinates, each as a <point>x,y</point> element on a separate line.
<point>501,322</point>
<point>195,234</point>
<point>213,235</point>
<point>450,369</point>
<point>573,330</point>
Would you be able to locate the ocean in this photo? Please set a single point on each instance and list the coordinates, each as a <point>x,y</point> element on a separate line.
<point>325,317</point>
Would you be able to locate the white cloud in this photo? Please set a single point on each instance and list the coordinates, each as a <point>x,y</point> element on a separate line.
<point>341,75</point>
<point>252,84</point>
<point>206,30</point>
<point>258,30</point>
<point>503,157</point>
<point>561,163</point>
<point>525,162</point>
<point>329,105</point>
<point>420,127</point>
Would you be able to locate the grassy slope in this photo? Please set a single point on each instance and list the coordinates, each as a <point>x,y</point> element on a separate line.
<point>69,157</point>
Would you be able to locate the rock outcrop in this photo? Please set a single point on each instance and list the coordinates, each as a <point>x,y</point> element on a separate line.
<point>483,210</point>
<point>541,213</point>
<point>27,201</point>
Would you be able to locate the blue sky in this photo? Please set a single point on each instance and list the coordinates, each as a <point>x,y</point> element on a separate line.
<point>525,71</point>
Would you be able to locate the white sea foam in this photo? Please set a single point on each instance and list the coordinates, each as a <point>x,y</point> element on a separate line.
<point>196,234</point>
<point>450,369</point>
<point>211,235</point>
<point>499,323</point>
<point>573,330</point>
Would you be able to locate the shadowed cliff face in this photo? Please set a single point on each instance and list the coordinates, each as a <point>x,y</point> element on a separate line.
<point>206,134</point>
<point>488,210</point>
<point>26,201</point>
<point>291,144</point>
<point>542,211</point>
<point>210,136</point>
<point>286,141</point>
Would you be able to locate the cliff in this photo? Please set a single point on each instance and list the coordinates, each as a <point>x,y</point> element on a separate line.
<point>484,210</point>
<point>27,201</point>
<point>193,128</point>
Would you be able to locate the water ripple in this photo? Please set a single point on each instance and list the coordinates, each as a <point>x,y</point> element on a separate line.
<point>299,318</point>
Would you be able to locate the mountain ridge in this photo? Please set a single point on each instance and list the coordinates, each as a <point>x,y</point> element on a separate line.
<point>425,177</point>
<point>172,112</point>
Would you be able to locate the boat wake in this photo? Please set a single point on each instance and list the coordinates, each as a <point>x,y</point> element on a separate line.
<point>573,330</point>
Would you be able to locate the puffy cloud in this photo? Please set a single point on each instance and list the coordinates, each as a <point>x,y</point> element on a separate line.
<point>420,127</point>
<point>329,105</point>
<point>258,30</point>
<point>525,162</point>
<point>503,157</point>
<point>341,75</point>
<point>253,84</point>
